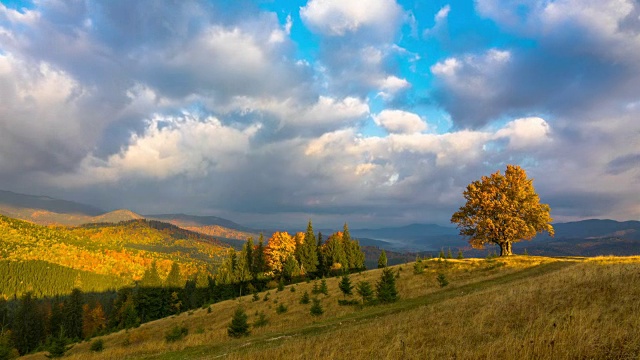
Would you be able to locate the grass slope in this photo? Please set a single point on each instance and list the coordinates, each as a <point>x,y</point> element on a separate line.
<point>521,307</point>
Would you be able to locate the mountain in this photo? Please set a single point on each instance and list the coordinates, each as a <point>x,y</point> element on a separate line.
<point>184,220</point>
<point>21,201</point>
<point>115,217</point>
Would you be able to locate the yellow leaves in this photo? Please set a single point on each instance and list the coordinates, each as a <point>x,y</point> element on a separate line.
<point>502,209</point>
<point>280,246</point>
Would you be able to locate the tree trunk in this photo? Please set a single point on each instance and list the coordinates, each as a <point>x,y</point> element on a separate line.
<point>505,249</point>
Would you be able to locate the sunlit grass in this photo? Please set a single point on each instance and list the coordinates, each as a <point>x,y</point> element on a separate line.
<point>497,308</point>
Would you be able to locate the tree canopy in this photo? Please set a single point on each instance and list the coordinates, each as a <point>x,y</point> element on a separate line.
<point>502,209</point>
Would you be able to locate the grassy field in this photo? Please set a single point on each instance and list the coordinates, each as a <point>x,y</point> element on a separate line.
<point>520,307</point>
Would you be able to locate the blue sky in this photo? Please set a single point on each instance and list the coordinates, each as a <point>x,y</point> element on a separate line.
<point>374,112</point>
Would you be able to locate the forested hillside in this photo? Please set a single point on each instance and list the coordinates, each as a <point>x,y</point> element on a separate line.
<point>116,254</point>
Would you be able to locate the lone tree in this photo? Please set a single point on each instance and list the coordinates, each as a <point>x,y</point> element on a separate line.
<point>382,260</point>
<point>239,326</point>
<point>502,209</point>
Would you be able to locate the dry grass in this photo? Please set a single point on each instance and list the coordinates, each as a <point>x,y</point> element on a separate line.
<point>507,309</point>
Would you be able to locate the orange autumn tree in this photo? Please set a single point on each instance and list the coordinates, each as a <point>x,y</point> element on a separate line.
<point>281,246</point>
<point>502,209</point>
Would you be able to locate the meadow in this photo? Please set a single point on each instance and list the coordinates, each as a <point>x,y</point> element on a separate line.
<point>507,308</point>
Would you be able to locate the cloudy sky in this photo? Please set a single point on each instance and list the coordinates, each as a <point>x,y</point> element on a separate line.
<point>374,112</point>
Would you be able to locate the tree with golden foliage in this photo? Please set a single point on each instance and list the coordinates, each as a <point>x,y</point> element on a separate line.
<point>280,246</point>
<point>502,209</point>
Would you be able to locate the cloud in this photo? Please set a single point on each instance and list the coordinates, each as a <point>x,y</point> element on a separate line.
<point>337,18</point>
<point>398,121</point>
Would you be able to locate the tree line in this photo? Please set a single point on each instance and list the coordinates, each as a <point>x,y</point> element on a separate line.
<point>30,323</point>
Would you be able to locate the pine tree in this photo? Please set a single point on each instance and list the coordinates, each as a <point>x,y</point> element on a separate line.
<point>449,255</point>
<point>174,279</point>
<point>382,260</point>
<point>248,253</point>
<point>316,308</point>
<point>28,329</point>
<point>365,291</point>
<point>441,255</point>
<point>460,256</point>
<point>323,287</point>
<point>72,315</point>
<point>259,262</point>
<point>345,285</point>
<point>309,253</point>
<point>386,287</point>
<point>58,346</point>
<point>290,268</point>
<point>239,326</point>
<point>305,298</point>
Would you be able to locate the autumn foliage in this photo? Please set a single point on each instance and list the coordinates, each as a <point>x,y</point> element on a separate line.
<point>502,209</point>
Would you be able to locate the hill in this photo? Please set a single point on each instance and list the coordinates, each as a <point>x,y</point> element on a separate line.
<point>118,253</point>
<point>521,307</point>
<point>18,201</point>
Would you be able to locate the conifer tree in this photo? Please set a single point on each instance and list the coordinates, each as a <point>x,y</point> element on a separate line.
<point>323,287</point>
<point>345,285</point>
<point>28,325</point>
<point>248,253</point>
<point>309,253</point>
<point>239,326</point>
<point>305,298</point>
<point>259,262</point>
<point>174,279</point>
<point>365,291</point>
<point>382,260</point>
<point>460,256</point>
<point>449,255</point>
<point>58,346</point>
<point>290,268</point>
<point>386,287</point>
<point>316,308</point>
<point>72,315</point>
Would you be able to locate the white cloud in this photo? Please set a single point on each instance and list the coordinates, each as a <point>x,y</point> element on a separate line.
<point>526,132</point>
<point>170,146</point>
<point>401,122</point>
<point>336,18</point>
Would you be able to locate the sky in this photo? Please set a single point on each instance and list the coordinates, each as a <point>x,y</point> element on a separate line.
<point>270,113</point>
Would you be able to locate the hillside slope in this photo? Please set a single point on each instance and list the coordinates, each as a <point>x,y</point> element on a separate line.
<point>521,307</point>
<point>119,253</point>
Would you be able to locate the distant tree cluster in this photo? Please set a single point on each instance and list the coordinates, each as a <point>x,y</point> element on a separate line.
<point>29,323</point>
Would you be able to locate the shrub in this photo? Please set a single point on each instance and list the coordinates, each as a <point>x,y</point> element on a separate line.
<point>261,320</point>
<point>280,285</point>
<point>442,280</point>
<point>97,345</point>
<point>255,297</point>
<point>316,308</point>
<point>347,302</point>
<point>386,287</point>
<point>281,309</point>
<point>365,291</point>
<point>305,298</point>
<point>323,287</point>
<point>266,296</point>
<point>418,267</point>
<point>176,333</point>
<point>239,326</point>
<point>293,289</point>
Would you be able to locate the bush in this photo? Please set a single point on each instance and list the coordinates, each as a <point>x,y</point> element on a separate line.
<point>281,309</point>
<point>347,302</point>
<point>316,308</point>
<point>261,320</point>
<point>442,280</point>
<point>97,345</point>
<point>418,267</point>
<point>239,326</point>
<point>365,291</point>
<point>386,287</point>
<point>266,296</point>
<point>255,297</point>
<point>176,333</point>
<point>280,285</point>
<point>305,298</point>
<point>293,289</point>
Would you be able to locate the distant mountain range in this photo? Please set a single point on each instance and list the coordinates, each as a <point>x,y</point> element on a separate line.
<point>588,237</point>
